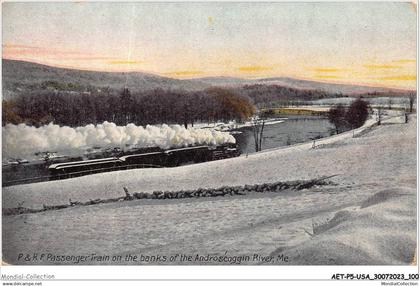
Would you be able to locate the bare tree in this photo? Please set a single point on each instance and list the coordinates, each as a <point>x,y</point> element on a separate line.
<point>258,131</point>
<point>389,103</point>
<point>411,98</point>
<point>379,116</point>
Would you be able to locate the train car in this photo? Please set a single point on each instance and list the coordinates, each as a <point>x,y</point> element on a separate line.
<point>224,151</point>
<point>188,155</point>
<point>21,172</point>
<point>80,168</point>
<point>153,159</point>
<point>144,150</point>
<point>24,173</point>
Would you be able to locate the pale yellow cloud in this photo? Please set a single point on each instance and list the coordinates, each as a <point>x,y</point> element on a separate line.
<point>184,73</point>
<point>254,68</point>
<point>399,77</point>
<point>381,66</point>
<point>327,70</point>
<point>405,61</point>
<point>327,76</point>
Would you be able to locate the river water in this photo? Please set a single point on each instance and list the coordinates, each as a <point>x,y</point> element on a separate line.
<point>295,129</point>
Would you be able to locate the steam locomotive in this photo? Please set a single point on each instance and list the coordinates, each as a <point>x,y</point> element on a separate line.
<point>59,168</point>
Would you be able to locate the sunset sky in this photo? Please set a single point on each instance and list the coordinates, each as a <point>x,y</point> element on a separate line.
<point>362,43</point>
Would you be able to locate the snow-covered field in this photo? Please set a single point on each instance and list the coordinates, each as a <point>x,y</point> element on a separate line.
<point>369,217</point>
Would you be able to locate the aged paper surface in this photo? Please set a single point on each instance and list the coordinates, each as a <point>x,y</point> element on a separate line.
<point>209,133</point>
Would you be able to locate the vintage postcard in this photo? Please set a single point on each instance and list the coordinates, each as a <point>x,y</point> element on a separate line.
<point>209,133</point>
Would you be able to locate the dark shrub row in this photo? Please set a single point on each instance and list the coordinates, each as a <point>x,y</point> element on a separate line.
<point>159,195</point>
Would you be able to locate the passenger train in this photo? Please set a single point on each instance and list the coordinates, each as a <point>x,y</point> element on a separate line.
<point>154,158</point>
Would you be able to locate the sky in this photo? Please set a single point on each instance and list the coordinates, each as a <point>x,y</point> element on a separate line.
<point>372,43</point>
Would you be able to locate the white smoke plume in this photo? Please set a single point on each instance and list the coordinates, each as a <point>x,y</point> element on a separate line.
<point>23,141</point>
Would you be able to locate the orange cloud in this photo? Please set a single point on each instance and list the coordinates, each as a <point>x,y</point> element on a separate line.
<point>18,51</point>
<point>399,77</point>
<point>385,66</point>
<point>125,62</point>
<point>254,68</point>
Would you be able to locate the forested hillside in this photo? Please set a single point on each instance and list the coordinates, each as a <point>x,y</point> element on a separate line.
<point>37,94</point>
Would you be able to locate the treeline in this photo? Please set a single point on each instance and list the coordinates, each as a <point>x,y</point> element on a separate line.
<point>154,107</point>
<point>271,96</point>
<point>266,96</point>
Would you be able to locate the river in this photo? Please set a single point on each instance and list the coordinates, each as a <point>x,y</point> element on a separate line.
<point>294,129</point>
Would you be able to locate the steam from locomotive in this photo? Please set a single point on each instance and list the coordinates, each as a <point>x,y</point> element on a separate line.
<point>23,141</point>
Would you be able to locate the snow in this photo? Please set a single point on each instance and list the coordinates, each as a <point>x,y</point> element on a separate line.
<point>232,125</point>
<point>316,108</point>
<point>369,217</point>
<point>383,101</point>
<point>385,227</point>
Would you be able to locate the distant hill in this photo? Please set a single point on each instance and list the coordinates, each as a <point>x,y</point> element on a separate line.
<point>224,81</point>
<point>299,84</point>
<point>20,77</point>
<point>327,87</point>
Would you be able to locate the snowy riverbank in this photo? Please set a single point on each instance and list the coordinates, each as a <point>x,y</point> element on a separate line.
<point>375,191</point>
